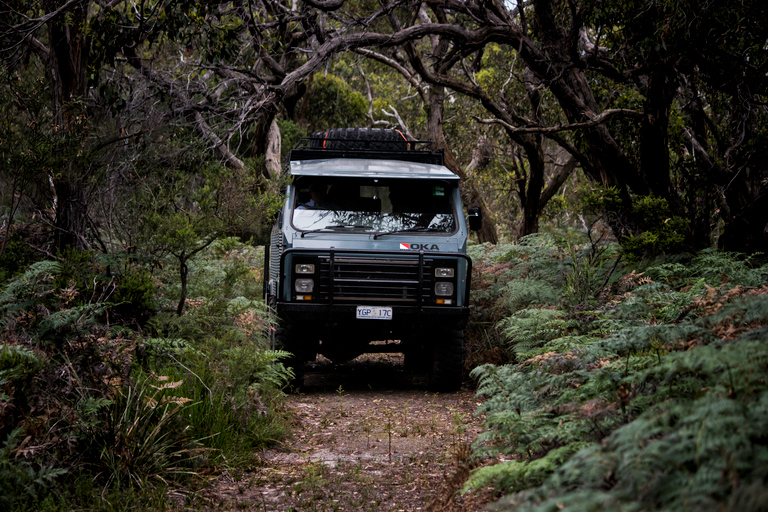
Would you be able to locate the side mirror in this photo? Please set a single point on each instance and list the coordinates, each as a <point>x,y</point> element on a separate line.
<point>475,218</point>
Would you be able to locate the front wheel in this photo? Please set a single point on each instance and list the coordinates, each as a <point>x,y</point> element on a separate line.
<point>299,343</point>
<point>447,361</point>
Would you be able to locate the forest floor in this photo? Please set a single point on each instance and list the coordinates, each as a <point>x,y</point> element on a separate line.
<point>368,436</point>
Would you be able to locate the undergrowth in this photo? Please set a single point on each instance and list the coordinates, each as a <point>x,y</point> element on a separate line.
<point>627,387</point>
<point>108,399</point>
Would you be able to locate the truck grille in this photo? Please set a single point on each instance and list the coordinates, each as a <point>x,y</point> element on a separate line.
<point>275,250</point>
<point>369,280</point>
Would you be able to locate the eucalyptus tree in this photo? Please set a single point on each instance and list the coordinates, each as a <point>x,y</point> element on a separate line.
<point>503,89</point>
<point>68,45</point>
<point>622,85</point>
<point>660,102</point>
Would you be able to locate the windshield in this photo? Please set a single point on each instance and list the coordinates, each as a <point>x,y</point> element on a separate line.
<point>373,205</point>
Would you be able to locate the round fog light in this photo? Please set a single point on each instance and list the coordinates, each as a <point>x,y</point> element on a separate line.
<point>304,285</point>
<point>443,289</point>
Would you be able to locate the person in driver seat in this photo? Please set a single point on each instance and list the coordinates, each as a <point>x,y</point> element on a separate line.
<point>318,198</point>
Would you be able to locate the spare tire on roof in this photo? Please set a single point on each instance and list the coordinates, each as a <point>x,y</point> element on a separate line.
<point>370,139</point>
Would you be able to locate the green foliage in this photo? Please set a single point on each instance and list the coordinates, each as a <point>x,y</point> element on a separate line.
<point>18,365</point>
<point>141,435</point>
<point>596,200</point>
<point>15,258</point>
<point>332,103</point>
<point>290,134</point>
<point>30,288</point>
<point>652,399</point>
<point>528,329</point>
<point>660,231</point>
<point>219,348</point>
<point>592,269</point>
<point>17,361</point>
<point>128,414</point>
<point>507,278</point>
<point>513,475</point>
<point>134,296</point>
<point>21,481</point>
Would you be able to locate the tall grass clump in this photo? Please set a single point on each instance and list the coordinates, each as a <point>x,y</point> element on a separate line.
<point>640,388</point>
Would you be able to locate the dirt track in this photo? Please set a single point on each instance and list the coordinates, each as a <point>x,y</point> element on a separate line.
<point>368,436</point>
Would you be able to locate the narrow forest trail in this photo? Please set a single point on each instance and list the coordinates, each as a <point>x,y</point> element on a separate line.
<point>368,436</point>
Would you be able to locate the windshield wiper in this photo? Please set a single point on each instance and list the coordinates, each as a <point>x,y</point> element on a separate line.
<point>408,230</point>
<point>336,226</point>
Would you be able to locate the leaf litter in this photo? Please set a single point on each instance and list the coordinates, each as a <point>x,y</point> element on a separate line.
<point>367,436</point>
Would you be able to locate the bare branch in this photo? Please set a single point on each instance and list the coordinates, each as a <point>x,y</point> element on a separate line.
<point>400,122</point>
<point>200,123</point>
<point>396,66</point>
<point>594,121</point>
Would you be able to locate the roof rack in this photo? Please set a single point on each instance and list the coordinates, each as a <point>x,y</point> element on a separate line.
<point>320,148</point>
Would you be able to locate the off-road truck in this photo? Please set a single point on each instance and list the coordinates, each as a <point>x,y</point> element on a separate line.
<point>370,246</point>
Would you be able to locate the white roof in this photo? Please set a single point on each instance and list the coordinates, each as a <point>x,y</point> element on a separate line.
<point>370,168</point>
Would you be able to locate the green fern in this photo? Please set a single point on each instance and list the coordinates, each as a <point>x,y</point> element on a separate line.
<point>27,290</point>
<point>739,269</point>
<point>17,363</point>
<point>669,376</point>
<point>529,329</point>
<point>522,293</point>
<point>22,482</point>
<point>517,475</point>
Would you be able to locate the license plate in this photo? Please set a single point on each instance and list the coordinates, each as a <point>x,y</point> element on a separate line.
<point>374,312</point>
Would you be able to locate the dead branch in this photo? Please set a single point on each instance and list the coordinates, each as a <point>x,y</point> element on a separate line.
<point>594,121</point>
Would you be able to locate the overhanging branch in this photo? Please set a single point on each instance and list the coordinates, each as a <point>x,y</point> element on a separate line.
<point>594,121</point>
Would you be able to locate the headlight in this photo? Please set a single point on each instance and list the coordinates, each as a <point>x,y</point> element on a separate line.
<point>305,268</point>
<point>443,272</point>
<point>304,285</point>
<point>443,289</point>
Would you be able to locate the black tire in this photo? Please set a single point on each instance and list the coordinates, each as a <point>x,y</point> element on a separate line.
<point>299,343</point>
<point>417,360</point>
<point>447,361</point>
<point>373,139</point>
<point>417,355</point>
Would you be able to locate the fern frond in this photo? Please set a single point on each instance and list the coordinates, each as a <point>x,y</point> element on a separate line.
<point>18,362</point>
<point>23,285</point>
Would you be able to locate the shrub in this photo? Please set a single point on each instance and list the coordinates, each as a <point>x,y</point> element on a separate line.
<point>651,400</point>
<point>90,408</point>
<point>134,297</point>
<point>660,231</point>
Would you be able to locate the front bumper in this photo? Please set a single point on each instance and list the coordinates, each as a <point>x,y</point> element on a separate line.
<point>325,316</point>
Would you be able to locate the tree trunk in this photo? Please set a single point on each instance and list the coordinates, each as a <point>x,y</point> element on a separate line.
<point>66,69</point>
<point>532,205</point>
<point>469,194</point>
<point>274,143</point>
<point>654,138</point>
<point>183,274</point>
<point>531,144</point>
<point>71,215</point>
<point>67,62</point>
